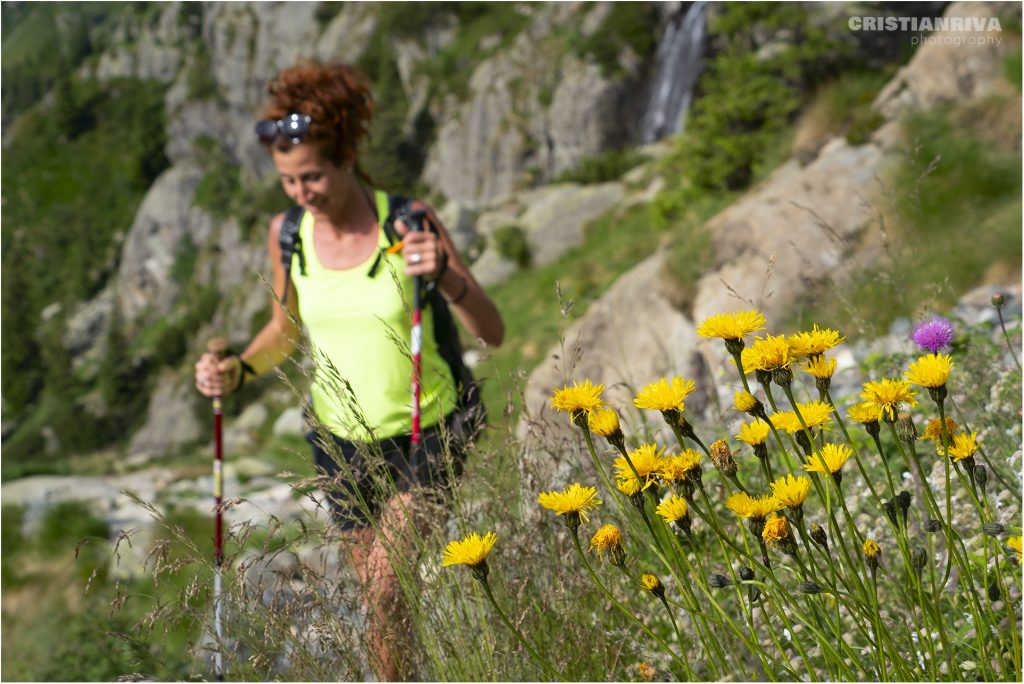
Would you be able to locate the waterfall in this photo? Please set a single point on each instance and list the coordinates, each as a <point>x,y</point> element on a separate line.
<point>677,68</point>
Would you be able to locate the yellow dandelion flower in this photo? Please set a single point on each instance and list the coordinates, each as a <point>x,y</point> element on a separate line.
<point>865,413</point>
<point>743,401</point>
<point>887,394</point>
<point>871,548</point>
<point>772,352</point>
<point>776,529</point>
<point>653,584</point>
<point>585,397</point>
<point>677,468</point>
<point>820,367</point>
<point>964,446</point>
<point>791,491</point>
<point>815,342</point>
<point>931,370</point>
<point>754,433</point>
<point>786,420</point>
<point>573,499</point>
<point>673,508</point>
<point>630,485</point>
<point>646,458</point>
<point>934,430</point>
<point>1015,544</point>
<point>664,395</point>
<point>829,459</point>
<point>471,550</point>
<point>746,506</point>
<point>647,671</point>
<point>608,538</point>
<point>816,414</point>
<point>752,360</point>
<point>732,326</point>
<point>604,422</point>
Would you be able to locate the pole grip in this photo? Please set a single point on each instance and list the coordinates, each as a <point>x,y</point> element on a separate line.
<point>218,346</point>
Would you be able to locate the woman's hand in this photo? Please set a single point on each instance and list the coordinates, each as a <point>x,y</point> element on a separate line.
<point>218,378</point>
<point>421,251</point>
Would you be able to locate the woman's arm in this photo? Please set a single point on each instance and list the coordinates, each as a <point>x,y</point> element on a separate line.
<point>466,297</point>
<point>269,347</point>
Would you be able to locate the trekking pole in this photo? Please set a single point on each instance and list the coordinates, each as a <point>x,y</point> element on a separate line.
<point>414,219</point>
<point>218,347</point>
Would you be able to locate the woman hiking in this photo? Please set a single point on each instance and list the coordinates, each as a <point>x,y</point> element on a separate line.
<point>353,296</point>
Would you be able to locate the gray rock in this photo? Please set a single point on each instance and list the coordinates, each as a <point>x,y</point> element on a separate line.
<point>290,422</point>
<point>170,420</point>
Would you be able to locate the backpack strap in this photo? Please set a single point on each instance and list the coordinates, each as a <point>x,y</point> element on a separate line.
<point>290,242</point>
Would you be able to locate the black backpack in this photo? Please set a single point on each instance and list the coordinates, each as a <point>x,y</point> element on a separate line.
<point>446,335</point>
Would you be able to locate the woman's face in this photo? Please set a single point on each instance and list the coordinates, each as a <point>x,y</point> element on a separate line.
<point>310,179</point>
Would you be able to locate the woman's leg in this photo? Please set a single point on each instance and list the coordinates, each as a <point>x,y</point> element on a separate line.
<point>381,591</point>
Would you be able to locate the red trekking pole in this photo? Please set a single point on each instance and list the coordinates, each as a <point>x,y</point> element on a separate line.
<point>218,347</point>
<point>414,219</point>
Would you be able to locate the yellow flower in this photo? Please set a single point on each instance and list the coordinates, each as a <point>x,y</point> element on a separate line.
<point>744,401</point>
<point>746,506</point>
<point>604,422</point>
<point>664,396</point>
<point>471,550</point>
<point>829,459</point>
<point>751,360</point>
<point>820,367</point>
<point>776,529</point>
<point>676,468</point>
<point>585,397</point>
<point>865,413</point>
<point>871,548</point>
<point>673,508</point>
<point>887,394</point>
<point>653,584</point>
<point>573,499</point>
<point>630,485</point>
<point>1015,544</point>
<point>791,491</point>
<point>771,352</point>
<point>754,433</point>
<point>816,414</point>
<point>647,671</point>
<point>732,326</point>
<point>646,459</point>
<point>815,342</point>
<point>786,420</point>
<point>964,446</point>
<point>608,538</point>
<point>934,430</point>
<point>931,370</point>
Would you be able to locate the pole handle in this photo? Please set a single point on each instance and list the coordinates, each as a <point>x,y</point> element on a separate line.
<point>218,346</point>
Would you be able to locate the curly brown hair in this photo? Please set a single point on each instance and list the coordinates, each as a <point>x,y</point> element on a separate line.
<point>338,100</point>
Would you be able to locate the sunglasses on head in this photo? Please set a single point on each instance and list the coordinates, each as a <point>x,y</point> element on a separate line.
<point>293,126</point>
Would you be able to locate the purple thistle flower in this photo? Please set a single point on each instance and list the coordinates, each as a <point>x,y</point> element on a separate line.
<point>933,335</point>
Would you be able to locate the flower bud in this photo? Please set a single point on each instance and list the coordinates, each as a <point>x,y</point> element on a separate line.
<point>734,346</point>
<point>763,377</point>
<point>905,429</point>
<point>722,457</point>
<point>938,394</point>
<point>804,442</point>
<point>873,429</point>
<point>818,536</point>
<point>480,571</point>
<point>571,519</point>
<point>933,525</point>
<point>653,585</point>
<point>981,475</point>
<point>903,500</point>
<point>993,529</point>
<point>684,523</point>
<point>783,377</point>
<point>809,587</point>
<point>716,581</point>
<point>889,506</point>
<point>871,554</point>
<point>993,590</point>
<point>761,450</point>
<point>918,558</point>
<point>746,574</point>
<point>998,299</point>
<point>618,556</point>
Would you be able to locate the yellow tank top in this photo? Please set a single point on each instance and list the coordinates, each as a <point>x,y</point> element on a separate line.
<point>359,328</point>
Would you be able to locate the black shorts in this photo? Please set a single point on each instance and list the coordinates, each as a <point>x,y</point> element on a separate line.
<point>366,475</point>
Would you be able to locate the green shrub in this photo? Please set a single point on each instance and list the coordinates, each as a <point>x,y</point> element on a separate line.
<point>607,166</point>
<point>632,25</point>
<point>511,242</point>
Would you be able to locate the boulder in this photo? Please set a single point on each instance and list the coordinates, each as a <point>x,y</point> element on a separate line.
<point>290,422</point>
<point>170,420</point>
